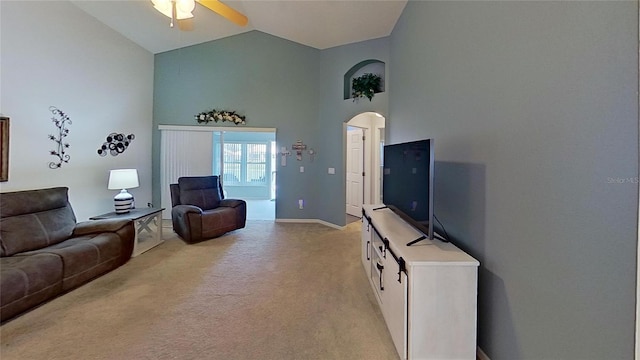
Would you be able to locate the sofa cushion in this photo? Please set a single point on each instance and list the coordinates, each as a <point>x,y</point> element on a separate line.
<point>34,219</point>
<point>85,257</point>
<point>26,281</point>
<point>202,191</point>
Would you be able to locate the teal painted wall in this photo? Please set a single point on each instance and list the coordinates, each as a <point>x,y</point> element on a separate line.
<point>273,82</point>
<point>534,111</point>
<point>276,83</point>
<point>334,112</point>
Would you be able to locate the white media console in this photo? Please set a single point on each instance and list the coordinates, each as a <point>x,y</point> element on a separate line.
<point>427,291</point>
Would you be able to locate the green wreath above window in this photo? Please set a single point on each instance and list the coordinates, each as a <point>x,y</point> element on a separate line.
<point>365,85</point>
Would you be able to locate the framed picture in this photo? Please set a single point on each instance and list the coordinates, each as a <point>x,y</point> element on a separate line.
<point>4,148</point>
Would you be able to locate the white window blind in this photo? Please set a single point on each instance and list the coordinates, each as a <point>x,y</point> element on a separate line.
<point>183,153</point>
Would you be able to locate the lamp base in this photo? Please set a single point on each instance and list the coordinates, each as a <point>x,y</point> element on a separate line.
<point>123,201</point>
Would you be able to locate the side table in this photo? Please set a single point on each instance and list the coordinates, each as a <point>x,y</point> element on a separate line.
<point>148,224</point>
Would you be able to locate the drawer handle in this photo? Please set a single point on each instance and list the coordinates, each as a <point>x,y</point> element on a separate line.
<point>368,255</point>
<point>380,267</point>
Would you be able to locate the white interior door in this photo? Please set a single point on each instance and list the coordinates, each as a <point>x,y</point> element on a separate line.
<point>355,167</point>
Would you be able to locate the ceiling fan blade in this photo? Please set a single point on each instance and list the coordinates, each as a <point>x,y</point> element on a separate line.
<point>225,11</point>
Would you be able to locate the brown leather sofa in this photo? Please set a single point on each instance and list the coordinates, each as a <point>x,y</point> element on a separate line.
<point>200,211</point>
<point>45,253</point>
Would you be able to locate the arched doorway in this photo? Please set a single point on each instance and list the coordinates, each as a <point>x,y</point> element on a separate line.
<point>364,134</point>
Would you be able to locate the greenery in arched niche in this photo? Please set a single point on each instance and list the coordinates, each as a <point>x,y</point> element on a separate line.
<point>357,71</point>
<point>365,86</point>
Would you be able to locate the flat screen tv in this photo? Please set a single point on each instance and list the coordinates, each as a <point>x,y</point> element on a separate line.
<point>407,183</point>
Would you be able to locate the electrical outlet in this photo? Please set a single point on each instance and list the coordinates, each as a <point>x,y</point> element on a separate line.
<point>300,204</point>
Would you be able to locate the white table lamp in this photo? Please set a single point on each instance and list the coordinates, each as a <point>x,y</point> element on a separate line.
<point>123,179</point>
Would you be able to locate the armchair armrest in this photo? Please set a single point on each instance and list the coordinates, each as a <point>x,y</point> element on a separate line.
<point>231,202</point>
<point>239,207</point>
<point>186,220</point>
<point>98,226</point>
<point>185,209</point>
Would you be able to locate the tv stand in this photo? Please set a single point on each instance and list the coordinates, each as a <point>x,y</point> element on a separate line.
<point>427,292</point>
<point>416,240</point>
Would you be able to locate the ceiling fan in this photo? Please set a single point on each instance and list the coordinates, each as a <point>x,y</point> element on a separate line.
<point>181,10</point>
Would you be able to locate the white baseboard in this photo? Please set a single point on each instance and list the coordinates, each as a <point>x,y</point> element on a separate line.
<point>311,221</point>
<point>480,355</point>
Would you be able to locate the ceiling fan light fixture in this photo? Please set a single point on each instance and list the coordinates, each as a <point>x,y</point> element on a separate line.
<point>183,8</point>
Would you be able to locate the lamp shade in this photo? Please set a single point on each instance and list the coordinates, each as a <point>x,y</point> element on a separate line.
<point>123,179</point>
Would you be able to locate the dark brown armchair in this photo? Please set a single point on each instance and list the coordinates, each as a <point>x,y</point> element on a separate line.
<point>200,211</point>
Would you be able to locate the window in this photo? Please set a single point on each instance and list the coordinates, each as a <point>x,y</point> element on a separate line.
<point>245,163</point>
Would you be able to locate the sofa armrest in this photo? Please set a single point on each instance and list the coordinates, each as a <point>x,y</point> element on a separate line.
<point>124,228</point>
<point>99,226</point>
<point>232,203</point>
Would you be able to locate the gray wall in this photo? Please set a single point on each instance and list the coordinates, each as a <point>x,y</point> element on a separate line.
<point>54,54</point>
<point>533,107</point>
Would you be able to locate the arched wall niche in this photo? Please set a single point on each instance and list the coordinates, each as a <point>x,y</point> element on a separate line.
<point>366,66</point>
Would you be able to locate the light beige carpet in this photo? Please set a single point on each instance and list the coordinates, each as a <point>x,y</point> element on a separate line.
<point>269,291</point>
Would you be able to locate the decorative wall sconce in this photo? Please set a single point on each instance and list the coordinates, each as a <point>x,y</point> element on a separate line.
<point>311,154</point>
<point>115,144</point>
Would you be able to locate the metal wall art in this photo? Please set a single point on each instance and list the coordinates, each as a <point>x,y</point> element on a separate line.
<point>299,147</point>
<point>115,144</point>
<point>60,119</point>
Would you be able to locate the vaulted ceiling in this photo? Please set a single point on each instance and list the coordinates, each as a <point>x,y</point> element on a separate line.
<point>317,23</point>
